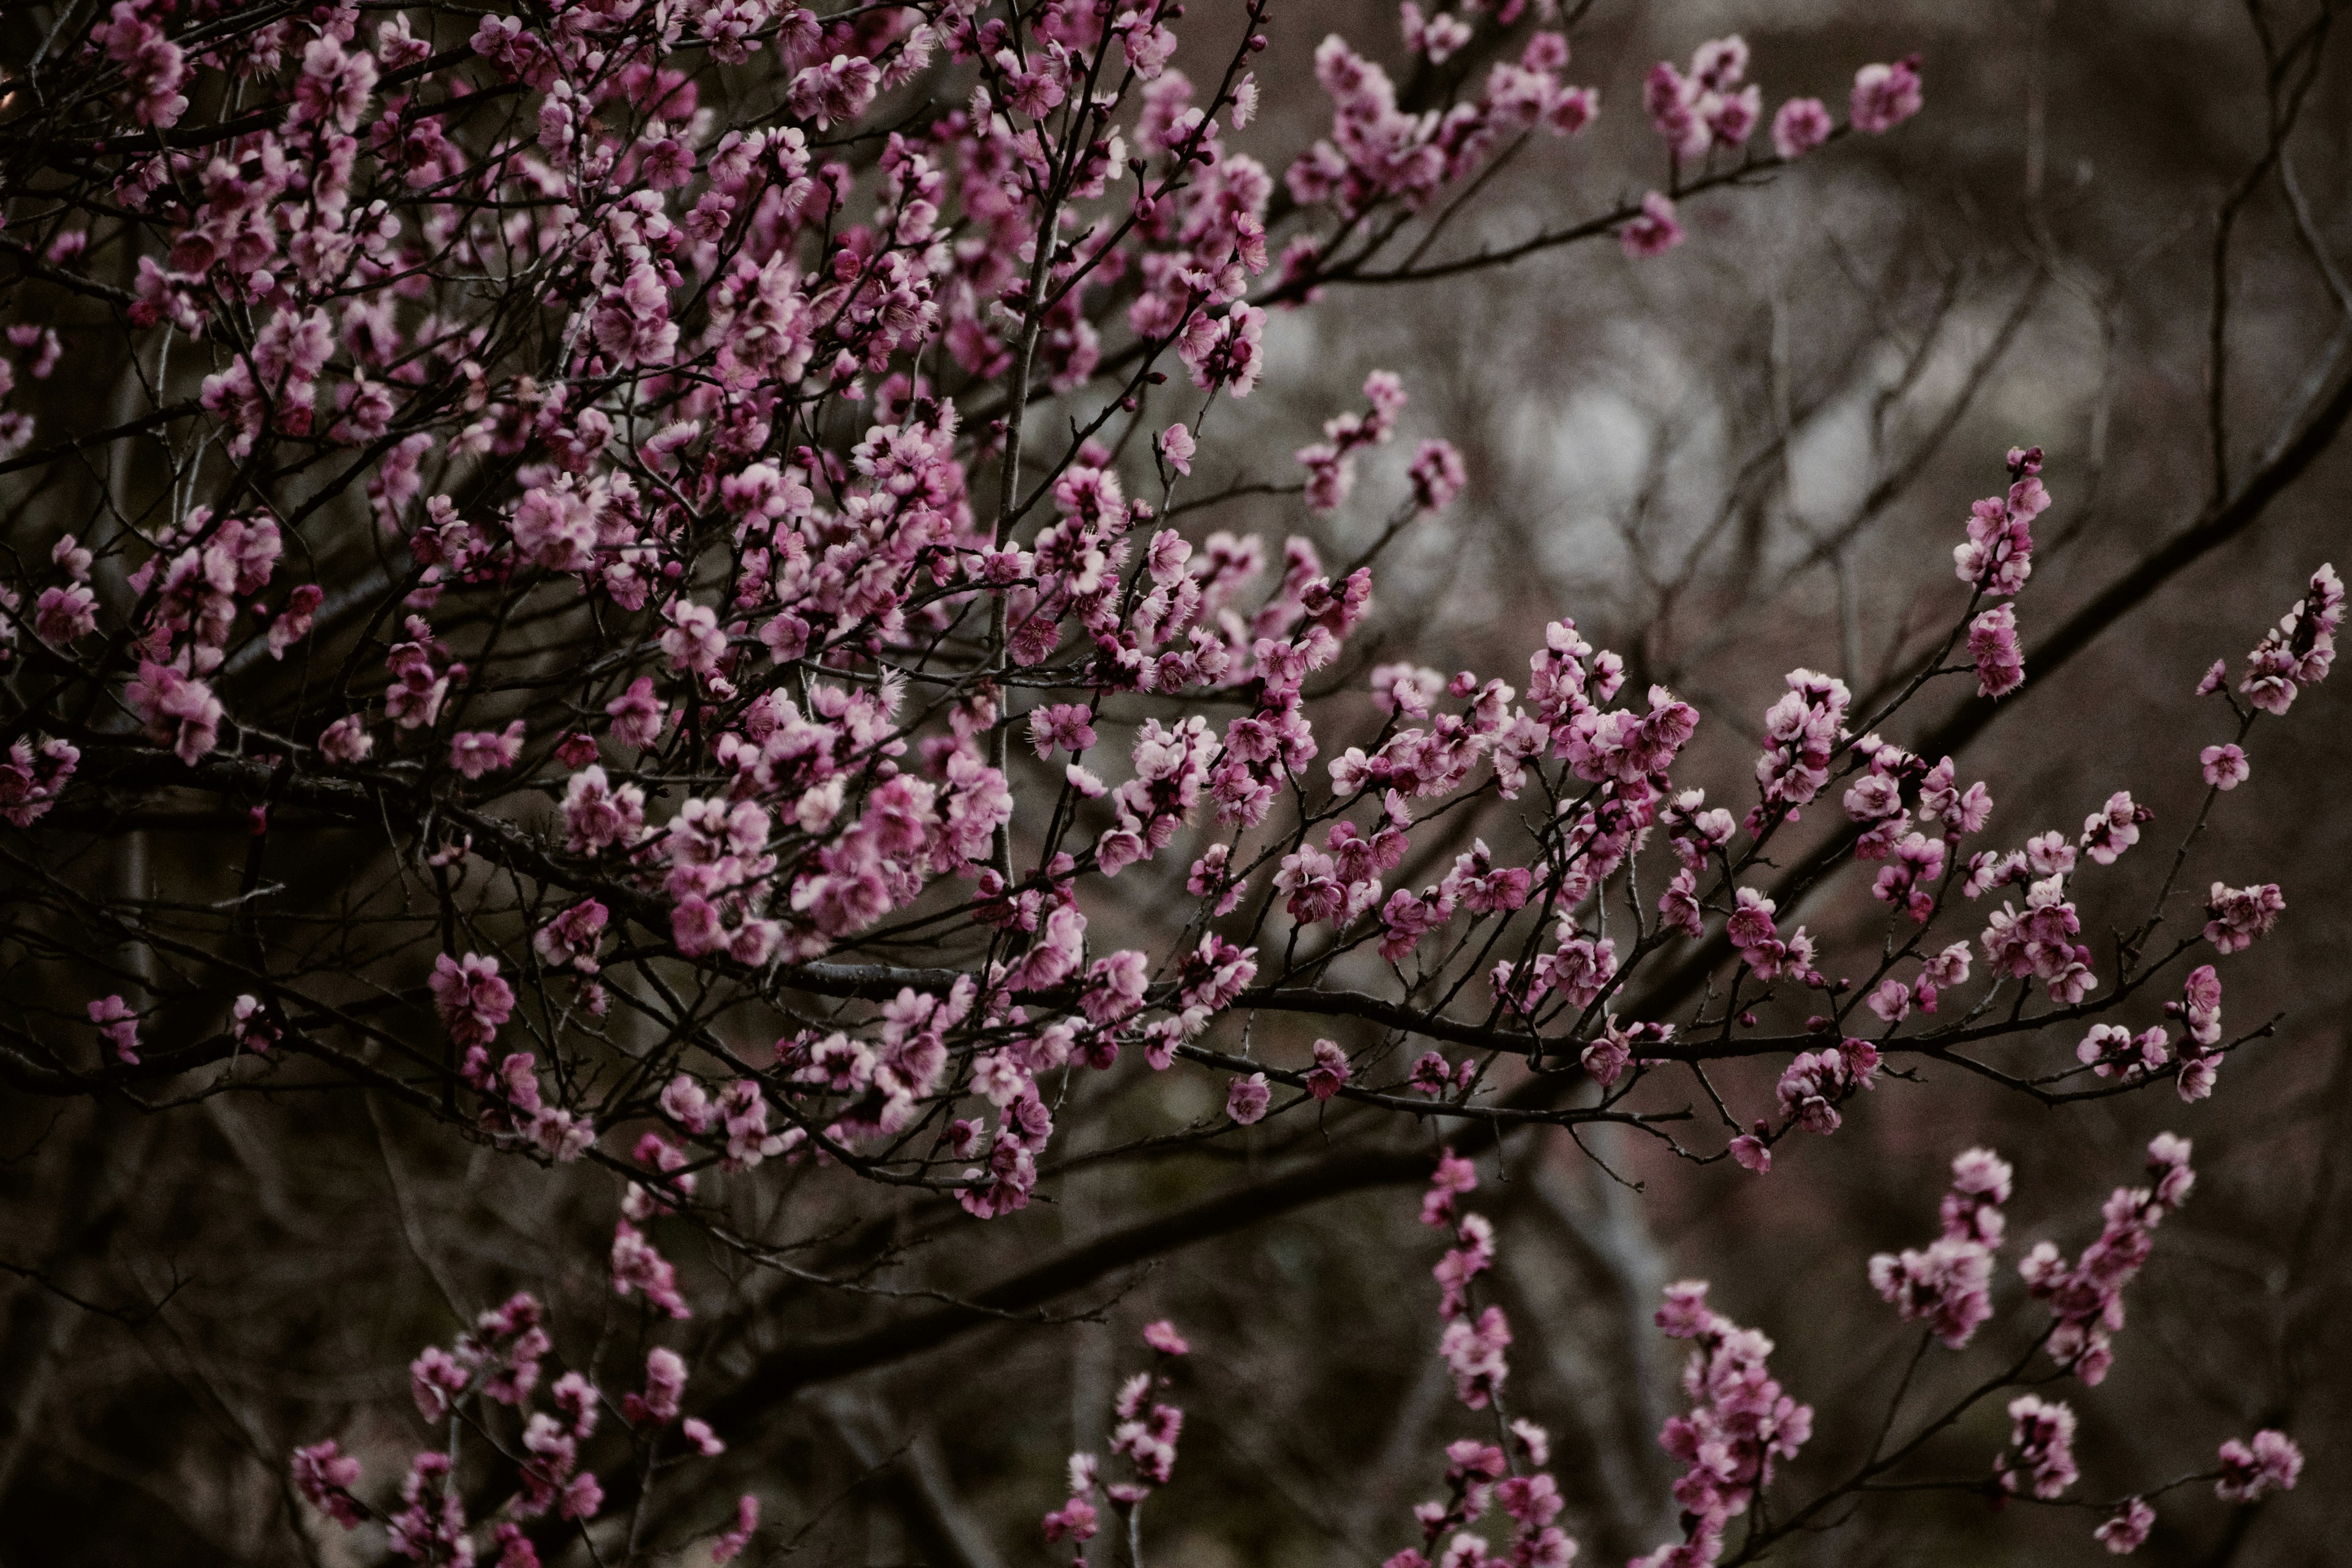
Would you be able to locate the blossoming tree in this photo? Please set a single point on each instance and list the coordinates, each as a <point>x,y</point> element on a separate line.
<point>655,545</point>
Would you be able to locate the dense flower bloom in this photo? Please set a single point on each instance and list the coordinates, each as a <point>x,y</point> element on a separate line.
<point>471,997</point>
<point>671,383</point>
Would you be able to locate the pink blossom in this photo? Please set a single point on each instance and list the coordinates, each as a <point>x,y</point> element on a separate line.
<point>1655,232</point>
<point>1890,1000</point>
<point>2234,917</point>
<point>153,68</point>
<point>2085,1298</point>
<point>729,1543</point>
<point>596,815</point>
<point>293,622</point>
<point>2111,1050</point>
<point>2113,828</point>
<point>2041,1443</point>
<point>2224,767</point>
<point>1739,1423</point>
<point>1948,1284</point>
<point>1176,446</point>
<point>1114,986</point>
<point>1330,1072</point>
<point>1884,96</point>
<point>180,713</point>
<point>637,1266</point>
<point>2272,1463</point>
<point>636,715</point>
<point>1801,125</point>
<point>1803,731</point>
<point>2126,1530</point>
<point>2298,651</point>
<point>1438,474</point>
<point>1998,554</point>
<point>664,1382</point>
<point>1064,726</point>
<point>471,998</point>
<point>1992,644</point>
<point>33,777</point>
<point>1075,1520</point>
<point>325,1476</point>
<point>1247,1099</point>
<point>475,752</point>
<point>120,1024</point>
<point>1473,1350</point>
<point>66,614</point>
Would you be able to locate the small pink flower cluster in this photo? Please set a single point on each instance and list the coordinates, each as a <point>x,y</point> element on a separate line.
<point>1948,1284</point>
<point>499,1360</point>
<point>1739,1423</point>
<point>1478,1475</point>
<point>2250,1472</point>
<point>32,777</point>
<point>1998,556</point>
<point>1378,153</point>
<point>2087,1298</point>
<point>2040,1457</point>
<point>1146,1438</point>
<point>2297,652</point>
<point>2234,917</point>
<point>1330,463</point>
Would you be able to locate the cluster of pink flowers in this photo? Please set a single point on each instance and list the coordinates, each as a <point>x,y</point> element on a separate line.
<point>2248,1473</point>
<point>2299,650</point>
<point>1378,153</point>
<point>1815,1083</point>
<point>1712,107</point>
<point>2040,1457</point>
<point>35,774</point>
<point>2251,1471</point>
<point>2087,1298</point>
<point>501,1361</point>
<point>1998,556</point>
<point>1739,1423</point>
<point>1145,1437</point>
<point>1804,730</point>
<point>1331,462</point>
<point>120,1024</point>
<point>2234,917</point>
<point>1707,108</point>
<point>2038,942</point>
<point>781,645</point>
<point>471,997</point>
<point>1481,1476</point>
<point>1948,1285</point>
